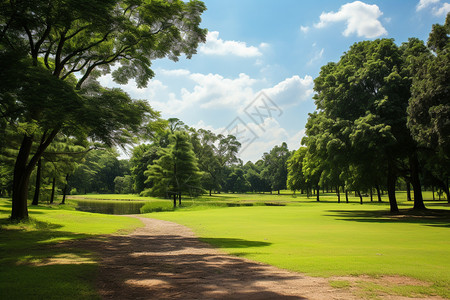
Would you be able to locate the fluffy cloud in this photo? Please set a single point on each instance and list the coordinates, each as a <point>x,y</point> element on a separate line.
<point>291,91</point>
<point>304,29</point>
<point>216,46</point>
<point>425,3</point>
<point>361,18</point>
<point>437,8</point>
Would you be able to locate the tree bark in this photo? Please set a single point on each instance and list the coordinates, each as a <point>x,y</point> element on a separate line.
<point>53,190</point>
<point>378,193</point>
<point>391,180</point>
<point>174,200</point>
<point>408,191</point>
<point>317,194</point>
<point>65,190</point>
<point>371,195</point>
<point>346,196</point>
<point>22,173</point>
<point>37,188</point>
<point>179,198</point>
<point>415,180</point>
<point>360,197</point>
<point>19,209</point>
<point>338,194</point>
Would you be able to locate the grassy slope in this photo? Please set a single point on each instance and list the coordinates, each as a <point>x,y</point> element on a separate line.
<point>34,266</point>
<point>326,239</point>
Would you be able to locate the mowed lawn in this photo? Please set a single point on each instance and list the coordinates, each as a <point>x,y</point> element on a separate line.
<point>330,239</point>
<point>37,260</point>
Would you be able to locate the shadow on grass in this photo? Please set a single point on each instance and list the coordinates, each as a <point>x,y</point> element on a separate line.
<point>163,266</point>
<point>234,243</point>
<point>428,217</point>
<point>35,266</point>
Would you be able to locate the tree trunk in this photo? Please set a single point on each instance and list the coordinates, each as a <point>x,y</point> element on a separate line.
<point>278,192</point>
<point>317,194</point>
<point>433,193</point>
<point>21,180</point>
<point>22,173</point>
<point>415,180</point>
<point>346,196</point>
<point>360,197</point>
<point>391,180</point>
<point>210,192</point>
<point>338,194</point>
<point>174,200</point>
<point>37,187</point>
<point>371,195</point>
<point>378,193</point>
<point>408,191</point>
<point>179,199</point>
<point>53,190</point>
<point>65,190</point>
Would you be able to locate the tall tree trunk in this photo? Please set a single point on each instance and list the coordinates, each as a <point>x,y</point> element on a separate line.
<point>378,193</point>
<point>346,196</point>
<point>179,198</point>
<point>391,180</point>
<point>338,194</point>
<point>210,191</point>
<point>317,198</point>
<point>53,190</point>
<point>37,186</point>
<point>408,190</point>
<point>65,190</point>
<point>21,180</point>
<point>360,197</point>
<point>432,188</point>
<point>174,200</point>
<point>371,195</point>
<point>278,192</point>
<point>22,172</point>
<point>415,180</point>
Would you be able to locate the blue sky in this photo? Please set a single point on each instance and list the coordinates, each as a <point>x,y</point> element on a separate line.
<point>254,75</point>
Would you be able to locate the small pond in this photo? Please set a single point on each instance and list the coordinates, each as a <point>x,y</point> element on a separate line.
<point>110,207</point>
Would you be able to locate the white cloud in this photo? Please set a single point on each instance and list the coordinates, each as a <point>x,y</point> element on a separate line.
<point>291,91</point>
<point>436,7</point>
<point>304,29</point>
<point>361,18</point>
<point>317,56</point>
<point>425,3</point>
<point>216,46</point>
<point>443,10</point>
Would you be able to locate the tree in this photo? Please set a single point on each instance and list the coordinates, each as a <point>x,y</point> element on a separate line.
<point>275,169</point>
<point>429,107</point>
<point>176,171</point>
<point>61,38</point>
<point>369,90</point>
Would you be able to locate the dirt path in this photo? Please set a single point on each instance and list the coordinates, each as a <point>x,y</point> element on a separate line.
<point>164,260</point>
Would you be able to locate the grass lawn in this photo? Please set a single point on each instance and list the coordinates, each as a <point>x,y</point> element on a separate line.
<point>33,265</point>
<point>330,239</point>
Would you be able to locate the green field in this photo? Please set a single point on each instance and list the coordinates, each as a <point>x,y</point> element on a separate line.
<point>292,232</point>
<point>37,260</point>
<point>330,239</point>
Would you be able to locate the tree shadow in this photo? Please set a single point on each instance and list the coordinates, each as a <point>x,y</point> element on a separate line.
<point>428,217</point>
<point>35,265</point>
<point>178,267</point>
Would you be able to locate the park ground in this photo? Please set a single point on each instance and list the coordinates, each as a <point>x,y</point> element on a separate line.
<point>358,250</point>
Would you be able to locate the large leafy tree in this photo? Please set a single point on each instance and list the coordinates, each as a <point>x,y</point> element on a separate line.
<point>275,169</point>
<point>60,38</point>
<point>368,92</point>
<point>429,107</point>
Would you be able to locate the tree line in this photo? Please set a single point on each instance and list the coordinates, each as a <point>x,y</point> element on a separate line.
<point>383,113</point>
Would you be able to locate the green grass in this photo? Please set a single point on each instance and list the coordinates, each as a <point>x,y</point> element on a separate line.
<point>36,261</point>
<point>330,239</point>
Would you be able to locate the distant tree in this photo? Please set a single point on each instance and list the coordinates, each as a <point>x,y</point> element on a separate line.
<point>275,169</point>
<point>176,171</point>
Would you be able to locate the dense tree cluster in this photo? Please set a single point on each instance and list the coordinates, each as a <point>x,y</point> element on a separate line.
<point>43,44</point>
<point>382,114</point>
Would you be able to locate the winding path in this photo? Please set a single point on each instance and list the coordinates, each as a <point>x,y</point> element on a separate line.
<point>164,260</point>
